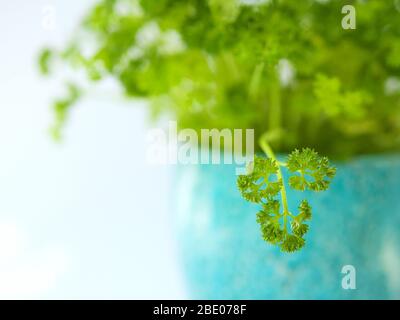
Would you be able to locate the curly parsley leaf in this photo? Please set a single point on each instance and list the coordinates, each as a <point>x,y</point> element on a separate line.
<point>258,184</point>
<point>264,183</point>
<point>312,172</point>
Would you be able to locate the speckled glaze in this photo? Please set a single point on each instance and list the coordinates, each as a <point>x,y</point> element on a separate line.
<point>356,222</point>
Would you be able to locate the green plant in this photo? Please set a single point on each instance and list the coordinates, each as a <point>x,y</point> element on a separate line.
<point>276,66</point>
<point>280,64</point>
<point>264,182</point>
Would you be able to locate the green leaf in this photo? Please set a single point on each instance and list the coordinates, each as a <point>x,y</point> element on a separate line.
<point>61,108</point>
<point>304,211</point>
<point>224,11</point>
<point>44,61</point>
<point>269,212</point>
<point>258,185</point>
<point>313,172</point>
<point>298,182</point>
<point>292,243</point>
<point>299,229</point>
<point>272,232</point>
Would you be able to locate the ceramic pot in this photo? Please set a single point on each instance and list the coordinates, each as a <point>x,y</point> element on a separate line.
<point>356,223</point>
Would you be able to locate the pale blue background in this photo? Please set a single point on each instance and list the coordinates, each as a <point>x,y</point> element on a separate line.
<point>88,218</point>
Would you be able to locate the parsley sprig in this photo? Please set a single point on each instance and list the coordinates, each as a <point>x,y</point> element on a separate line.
<point>264,183</point>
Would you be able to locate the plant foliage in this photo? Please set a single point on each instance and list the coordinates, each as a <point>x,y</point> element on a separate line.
<point>273,64</point>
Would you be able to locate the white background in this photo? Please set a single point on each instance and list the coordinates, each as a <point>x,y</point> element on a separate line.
<point>87,218</point>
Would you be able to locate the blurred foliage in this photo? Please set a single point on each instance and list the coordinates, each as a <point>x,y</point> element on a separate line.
<point>278,64</point>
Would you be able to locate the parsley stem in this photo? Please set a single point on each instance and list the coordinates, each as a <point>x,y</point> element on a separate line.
<point>268,151</point>
<point>275,112</point>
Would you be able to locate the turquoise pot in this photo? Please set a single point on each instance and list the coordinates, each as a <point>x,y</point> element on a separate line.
<point>356,222</point>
